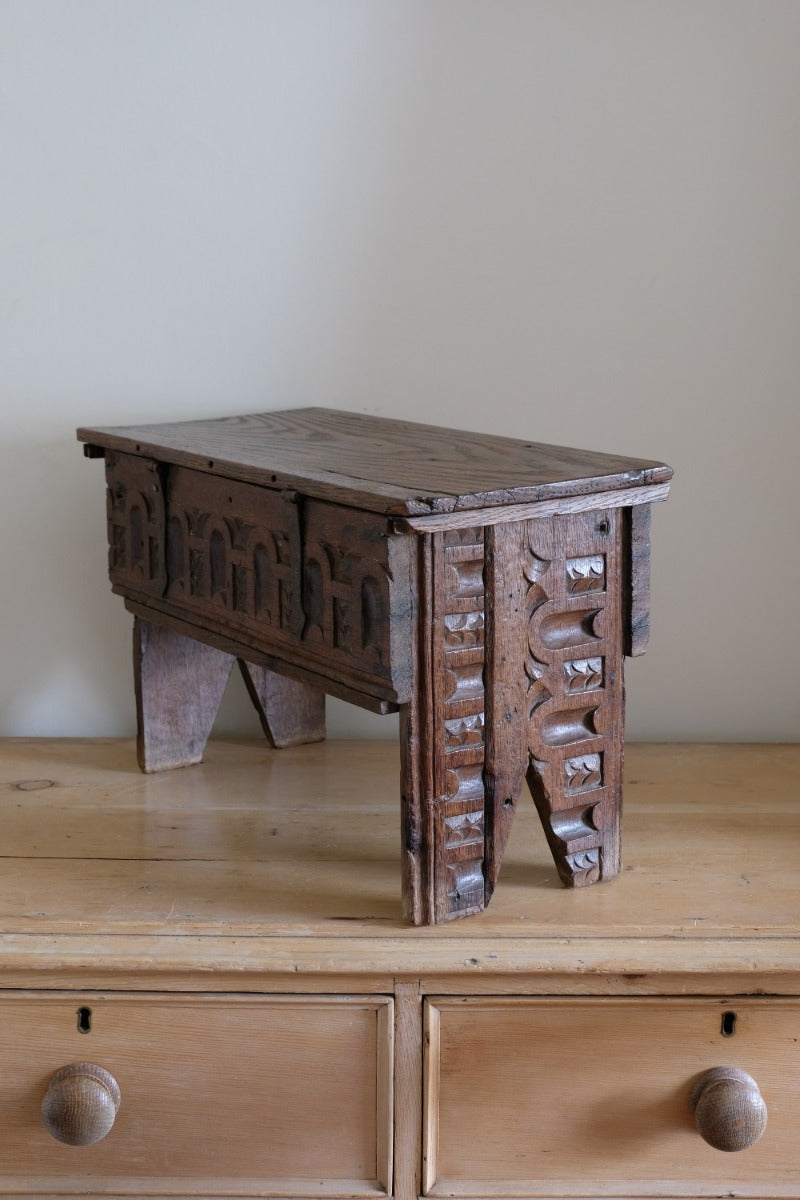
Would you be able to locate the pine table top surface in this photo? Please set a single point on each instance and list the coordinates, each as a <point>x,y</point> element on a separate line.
<point>262,862</point>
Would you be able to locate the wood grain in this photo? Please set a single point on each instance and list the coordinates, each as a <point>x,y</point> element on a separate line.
<point>636,579</point>
<point>565,1097</point>
<point>276,1030</point>
<point>408,1091</point>
<point>379,699</point>
<point>534,510</point>
<point>179,683</point>
<point>507,715</point>
<point>291,713</point>
<point>437,614</point>
<point>729,1110</point>
<point>221,1096</point>
<point>377,463</point>
<point>575,691</point>
<point>81,1104</point>
<point>321,586</point>
<point>417,755</point>
<point>261,869</point>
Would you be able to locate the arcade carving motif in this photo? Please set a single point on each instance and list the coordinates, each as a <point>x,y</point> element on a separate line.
<point>254,559</point>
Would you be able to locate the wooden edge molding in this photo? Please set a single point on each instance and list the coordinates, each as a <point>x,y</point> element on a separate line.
<point>501,514</point>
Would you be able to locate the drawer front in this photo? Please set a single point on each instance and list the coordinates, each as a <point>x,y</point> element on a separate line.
<point>244,1096</point>
<point>528,1097</point>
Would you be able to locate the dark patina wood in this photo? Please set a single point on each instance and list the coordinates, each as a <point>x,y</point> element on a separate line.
<point>378,463</point>
<point>484,587</point>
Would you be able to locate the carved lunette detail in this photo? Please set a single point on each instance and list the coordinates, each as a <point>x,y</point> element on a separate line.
<point>253,561</point>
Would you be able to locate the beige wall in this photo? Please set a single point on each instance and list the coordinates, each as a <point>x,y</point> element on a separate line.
<point>568,221</point>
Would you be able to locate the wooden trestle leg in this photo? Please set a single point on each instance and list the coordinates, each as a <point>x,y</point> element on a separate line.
<point>179,684</point>
<point>291,713</point>
<point>575,691</point>
<point>519,675</point>
<point>442,735</point>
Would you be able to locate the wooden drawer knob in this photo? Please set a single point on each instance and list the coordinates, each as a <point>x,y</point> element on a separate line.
<point>729,1110</point>
<point>80,1104</point>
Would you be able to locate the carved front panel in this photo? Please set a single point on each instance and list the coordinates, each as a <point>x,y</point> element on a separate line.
<point>347,587</point>
<point>233,552</point>
<point>324,586</point>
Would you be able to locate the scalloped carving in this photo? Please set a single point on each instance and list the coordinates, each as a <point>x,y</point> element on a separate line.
<point>586,574</point>
<point>463,732</point>
<point>464,629</point>
<point>583,674</point>
<point>584,773</point>
<point>566,726</point>
<point>561,630</point>
<point>585,866</point>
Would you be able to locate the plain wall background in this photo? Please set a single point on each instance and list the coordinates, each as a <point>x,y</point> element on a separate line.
<point>565,221</point>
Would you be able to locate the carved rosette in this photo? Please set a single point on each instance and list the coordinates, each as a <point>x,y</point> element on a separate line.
<point>460,818</point>
<point>574,690</point>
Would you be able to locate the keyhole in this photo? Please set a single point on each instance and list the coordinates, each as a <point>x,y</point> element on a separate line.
<point>84,1020</point>
<point>728,1024</point>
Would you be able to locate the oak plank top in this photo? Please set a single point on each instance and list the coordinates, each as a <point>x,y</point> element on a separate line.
<point>262,863</point>
<point>385,465</point>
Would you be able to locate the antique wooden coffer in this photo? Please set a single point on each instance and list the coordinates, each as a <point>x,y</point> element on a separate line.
<point>485,588</point>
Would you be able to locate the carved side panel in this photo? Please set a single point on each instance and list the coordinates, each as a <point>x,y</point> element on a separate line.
<point>135,510</point>
<point>519,670</point>
<point>574,688</point>
<point>460,729</point>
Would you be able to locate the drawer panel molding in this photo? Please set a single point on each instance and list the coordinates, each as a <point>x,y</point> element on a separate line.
<point>220,1096</point>
<point>543,1097</point>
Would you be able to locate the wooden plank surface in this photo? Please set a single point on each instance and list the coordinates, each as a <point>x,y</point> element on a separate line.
<point>221,1096</point>
<point>556,1098</point>
<point>378,463</point>
<point>288,862</point>
<point>535,509</point>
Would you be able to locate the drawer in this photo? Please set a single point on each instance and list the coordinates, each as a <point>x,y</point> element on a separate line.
<point>529,1097</point>
<point>220,1096</point>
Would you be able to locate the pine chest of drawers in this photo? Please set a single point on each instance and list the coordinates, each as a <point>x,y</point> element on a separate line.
<point>206,979</point>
